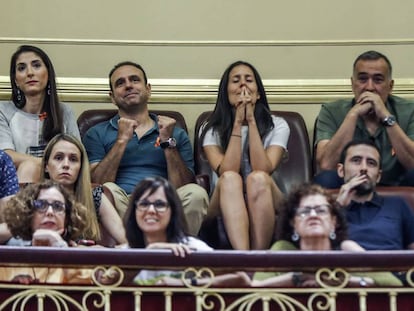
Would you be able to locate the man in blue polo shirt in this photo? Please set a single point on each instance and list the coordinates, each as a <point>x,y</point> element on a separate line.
<point>375,222</point>
<point>135,144</point>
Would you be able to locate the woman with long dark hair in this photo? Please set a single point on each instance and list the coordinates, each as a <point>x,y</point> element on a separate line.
<point>34,114</point>
<point>244,143</point>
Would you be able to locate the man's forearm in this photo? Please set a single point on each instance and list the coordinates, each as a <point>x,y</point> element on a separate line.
<point>178,173</point>
<point>107,169</point>
<point>403,146</point>
<point>328,156</point>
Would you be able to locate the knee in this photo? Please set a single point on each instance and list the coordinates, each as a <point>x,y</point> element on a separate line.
<point>193,192</point>
<point>230,178</point>
<point>258,180</point>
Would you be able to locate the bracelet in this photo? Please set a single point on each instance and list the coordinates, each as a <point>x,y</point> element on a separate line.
<point>237,135</point>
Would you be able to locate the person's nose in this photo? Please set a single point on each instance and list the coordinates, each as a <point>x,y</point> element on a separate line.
<point>313,212</point>
<point>151,208</point>
<point>243,83</point>
<point>364,166</point>
<point>50,210</point>
<point>370,85</point>
<point>65,163</point>
<point>30,71</point>
<point>128,84</point>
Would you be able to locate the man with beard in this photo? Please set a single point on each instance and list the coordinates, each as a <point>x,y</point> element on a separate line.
<point>135,144</point>
<point>373,113</point>
<point>375,222</point>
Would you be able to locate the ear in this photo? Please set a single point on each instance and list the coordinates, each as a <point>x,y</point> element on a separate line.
<point>149,88</point>
<point>111,95</point>
<point>391,85</point>
<point>340,170</point>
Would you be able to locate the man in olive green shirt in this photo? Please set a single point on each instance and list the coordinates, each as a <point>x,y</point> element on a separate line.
<point>373,114</point>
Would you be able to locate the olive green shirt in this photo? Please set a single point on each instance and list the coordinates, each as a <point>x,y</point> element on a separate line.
<point>381,278</point>
<point>333,114</point>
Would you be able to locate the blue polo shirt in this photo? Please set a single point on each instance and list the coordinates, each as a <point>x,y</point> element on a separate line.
<point>142,158</point>
<point>384,223</point>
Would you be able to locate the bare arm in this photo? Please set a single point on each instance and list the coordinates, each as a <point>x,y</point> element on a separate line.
<point>328,151</point>
<point>351,246</point>
<point>178,172</point>
<point>18,157</point>
<point>5,234</point>
<point>107,169</point>
<point>402,144</point>
<point>261,159</point>
<point>111,221</point>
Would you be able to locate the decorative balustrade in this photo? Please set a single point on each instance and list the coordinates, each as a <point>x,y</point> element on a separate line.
<point>122,295</point>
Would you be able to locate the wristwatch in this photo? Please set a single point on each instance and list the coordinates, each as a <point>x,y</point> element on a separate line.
<point>169,143</point>
<point>389,121</point>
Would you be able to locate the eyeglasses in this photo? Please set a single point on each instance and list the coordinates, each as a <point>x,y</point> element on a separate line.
<point>319,210</point>
<point>41,206</point>
<point>159,205</point>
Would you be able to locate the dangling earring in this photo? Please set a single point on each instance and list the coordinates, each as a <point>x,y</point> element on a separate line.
<point>332,235</point>
<point>295,236</point>
<point>48,89</point>
<point>19,96</point>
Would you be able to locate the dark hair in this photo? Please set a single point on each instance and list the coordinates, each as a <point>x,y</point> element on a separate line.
<point>284,228</point>
<point>177,227</point>
<point>126,63</point>
<point>53,124</point>
<point>222,118</point>
<point>373,55</point>
<point>18,212</point>
<point>356,142</point>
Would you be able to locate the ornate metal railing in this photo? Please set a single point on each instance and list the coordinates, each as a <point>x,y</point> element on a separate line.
<point>122,295</point>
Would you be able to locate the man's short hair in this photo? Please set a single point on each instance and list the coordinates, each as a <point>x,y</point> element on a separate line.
<point>357,142</point>
<point>126,63</point>
<point>373,55</point>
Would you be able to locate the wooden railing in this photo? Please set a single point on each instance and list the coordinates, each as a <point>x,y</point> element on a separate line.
<point>126,296</point>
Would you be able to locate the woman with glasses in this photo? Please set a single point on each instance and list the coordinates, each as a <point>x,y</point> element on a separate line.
<point>155,220</point>
<point>311,220</point>
<point>46,215</point>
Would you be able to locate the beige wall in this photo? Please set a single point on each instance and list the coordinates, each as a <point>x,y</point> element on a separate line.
<point>303,49</point>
